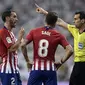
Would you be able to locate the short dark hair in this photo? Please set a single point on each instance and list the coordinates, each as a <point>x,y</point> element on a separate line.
<point>6,14</point>
<point>51,18</point>
<point>82,14</point>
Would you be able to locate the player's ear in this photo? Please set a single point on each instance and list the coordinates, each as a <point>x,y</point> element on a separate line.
<point>83,21</point>
<point>7,18</point>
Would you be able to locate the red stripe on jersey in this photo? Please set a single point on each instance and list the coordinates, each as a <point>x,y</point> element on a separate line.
<point>10,61</point>
<point>14,63</point>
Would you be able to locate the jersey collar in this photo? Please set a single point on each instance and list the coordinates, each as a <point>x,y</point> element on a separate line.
<point>5,28</point>
<point>48,27</point>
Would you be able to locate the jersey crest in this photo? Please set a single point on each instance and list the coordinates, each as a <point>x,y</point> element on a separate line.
<point>8,39</point>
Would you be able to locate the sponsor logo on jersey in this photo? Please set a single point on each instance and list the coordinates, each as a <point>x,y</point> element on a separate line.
<point>8,39</point>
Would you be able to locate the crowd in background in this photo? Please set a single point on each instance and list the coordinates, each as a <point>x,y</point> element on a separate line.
<point>29,19</point>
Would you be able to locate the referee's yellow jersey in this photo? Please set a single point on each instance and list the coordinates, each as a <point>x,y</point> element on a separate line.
<point>79,44</point>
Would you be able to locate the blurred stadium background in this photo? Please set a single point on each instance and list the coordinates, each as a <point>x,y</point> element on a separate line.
<point>29,19</point>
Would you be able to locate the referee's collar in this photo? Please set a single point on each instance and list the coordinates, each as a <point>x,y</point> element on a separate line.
<point>82,31</point>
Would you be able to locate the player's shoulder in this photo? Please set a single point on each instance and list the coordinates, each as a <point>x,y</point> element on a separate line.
<point>2,30</point>
<point>57,33</point>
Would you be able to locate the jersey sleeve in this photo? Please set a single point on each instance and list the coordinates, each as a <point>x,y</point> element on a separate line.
<point>72,29</point>
<point>63,41</point>
<point>29,36</point>
<point>5,37</point>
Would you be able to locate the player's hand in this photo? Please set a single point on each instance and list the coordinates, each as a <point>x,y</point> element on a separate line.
<point>40,10</point>
<point>29,65</point>
<point>58,64</point>
<point>21,33</point>
<point>22,42</point>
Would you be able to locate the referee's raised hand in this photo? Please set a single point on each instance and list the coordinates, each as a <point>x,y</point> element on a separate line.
<point>40,10</point>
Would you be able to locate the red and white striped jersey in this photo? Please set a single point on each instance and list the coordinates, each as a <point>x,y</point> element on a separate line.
<point>10,60</point>
<point>43,65</point>
<point>45,43</point>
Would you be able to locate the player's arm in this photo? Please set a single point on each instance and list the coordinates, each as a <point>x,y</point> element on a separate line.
<point>24,49</point>
<point>24,43</point>
<point>59,22</point>
<point>15,46</point>
<point>68,53</point>
<point>24,52</point>
<point>68,50</point>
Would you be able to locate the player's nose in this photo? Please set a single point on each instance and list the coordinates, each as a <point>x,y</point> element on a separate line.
<point>16,19</point>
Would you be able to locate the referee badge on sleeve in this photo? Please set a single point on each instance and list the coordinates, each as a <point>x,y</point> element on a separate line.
<point>8,39</point>
<point>80,45</point>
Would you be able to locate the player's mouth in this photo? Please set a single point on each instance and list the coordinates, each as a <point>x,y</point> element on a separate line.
<point>15,22</point>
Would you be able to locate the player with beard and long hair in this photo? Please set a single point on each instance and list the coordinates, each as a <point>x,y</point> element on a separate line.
<point>9,72</point>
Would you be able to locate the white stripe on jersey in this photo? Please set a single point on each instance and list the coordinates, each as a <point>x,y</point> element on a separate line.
<point>48,65</point>
<point>32,67</point>
<point>42,65</point>
<point>36,65</point>
<point>8,67</point>
<point>53,66</point>
<point>2,69</point>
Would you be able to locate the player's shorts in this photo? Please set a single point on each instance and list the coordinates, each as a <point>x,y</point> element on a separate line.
<point>37,77</point>
<point>10,79</point>
<point>78,74</point>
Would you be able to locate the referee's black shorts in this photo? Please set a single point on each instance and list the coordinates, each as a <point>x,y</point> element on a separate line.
<point>78,74</point>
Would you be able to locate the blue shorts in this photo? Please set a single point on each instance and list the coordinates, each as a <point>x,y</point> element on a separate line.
<point>45,77</point>
<point>10,79</point>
